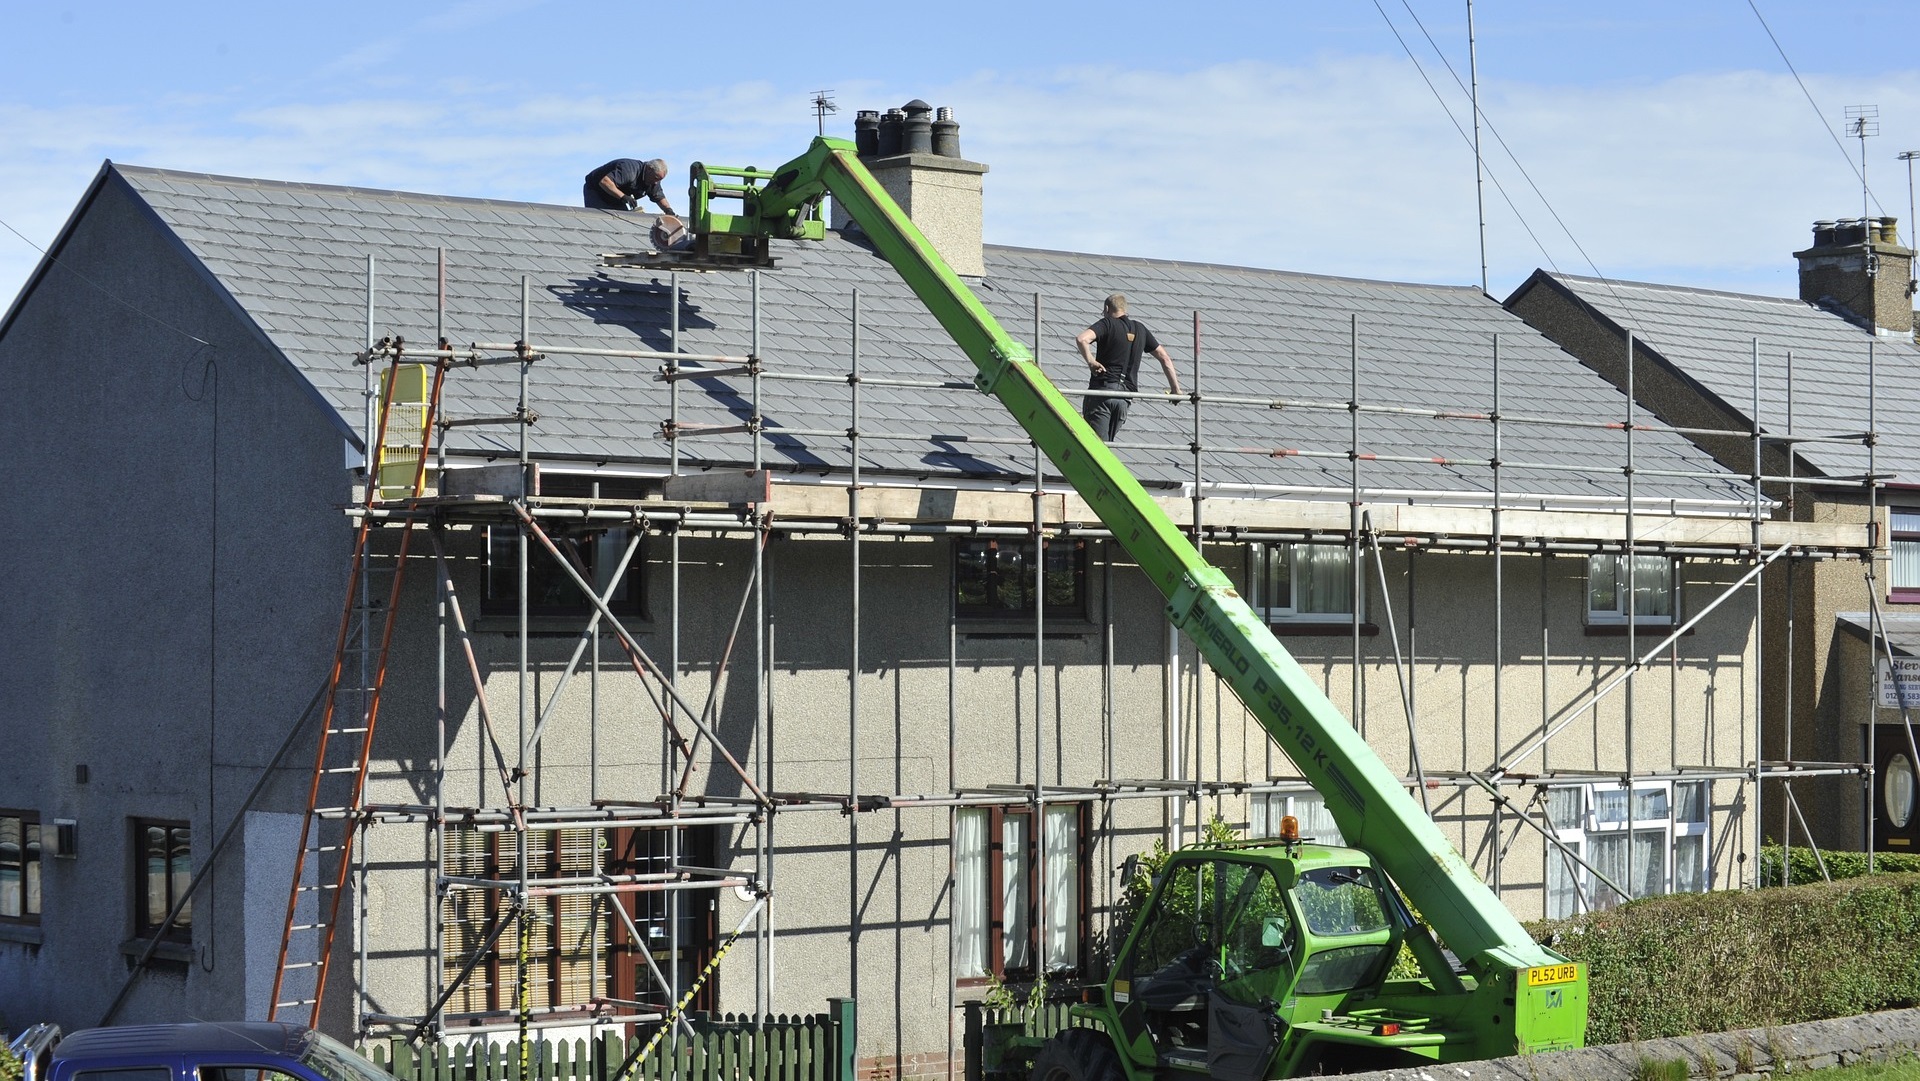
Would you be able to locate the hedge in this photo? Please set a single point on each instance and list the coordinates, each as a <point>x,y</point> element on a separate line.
<point>1711,962</point>
<point>1806,868</point>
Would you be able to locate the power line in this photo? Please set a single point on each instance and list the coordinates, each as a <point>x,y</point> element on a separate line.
<point>1435,91</point>
<point>98,288</point>
<point>1831,134</point>
<point>1511,156</point>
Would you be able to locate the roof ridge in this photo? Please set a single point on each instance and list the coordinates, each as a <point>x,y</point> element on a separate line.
<point>430,197</point>
<point>1301,274</point>
<point>344,189</point>
<point>1670,288</point>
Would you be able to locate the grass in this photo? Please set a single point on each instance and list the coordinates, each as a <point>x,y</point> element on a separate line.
<point>1903,1069</point>
<point>1661,1070</point>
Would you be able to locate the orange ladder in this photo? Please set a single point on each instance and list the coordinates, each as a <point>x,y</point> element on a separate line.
<point>333,814</point>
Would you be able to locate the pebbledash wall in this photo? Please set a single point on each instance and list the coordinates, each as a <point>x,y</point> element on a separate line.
<point>171,598</point>
<point>863,904</point>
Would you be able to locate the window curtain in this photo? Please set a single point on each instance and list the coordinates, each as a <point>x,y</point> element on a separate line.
<point>1063,898</point>
<point>1015,890</point>
<point>1649,863</point>
<point>970,892</point>
<point>1690,801</point>
<point>1610,806</point>
<point>1601,597</point>
<point>1652,585</point>
<point>1316,822</point>
<point>1563,899</point>
<point>1607,852</point>
<point>1327,580</point>
<point>1563,809</point>
<point>1263,814</point>
<point>1690,863</point>
<point>12,868</point>
<point>1906,549</point>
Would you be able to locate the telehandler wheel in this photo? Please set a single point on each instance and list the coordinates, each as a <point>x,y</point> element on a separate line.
<point>1078,1054</point>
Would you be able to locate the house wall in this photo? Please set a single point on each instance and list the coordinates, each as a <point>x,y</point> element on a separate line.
<point>1834,669</point>
<point>1808,706</point>
<point>861,904</point>
<point>174,558</point>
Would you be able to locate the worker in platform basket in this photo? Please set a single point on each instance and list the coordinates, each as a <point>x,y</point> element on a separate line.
<point>1112,349</point>
<point>621,183</point>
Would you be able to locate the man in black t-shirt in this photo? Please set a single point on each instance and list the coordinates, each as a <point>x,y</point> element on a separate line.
<point>1112,348</point>
<point>621,183</point>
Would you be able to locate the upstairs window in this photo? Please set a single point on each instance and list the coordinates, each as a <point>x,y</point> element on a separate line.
<point>1654,597</point>
<point>993,578</point>
<point>551,591</point>
<point>1306,583</point>
<point>1904,539</point>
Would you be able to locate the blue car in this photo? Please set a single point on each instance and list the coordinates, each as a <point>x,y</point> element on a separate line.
<point>197,1051</point>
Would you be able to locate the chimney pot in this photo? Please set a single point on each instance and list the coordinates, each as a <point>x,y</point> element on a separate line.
<point>1890,230</point>
<point>916,132</point>
<point>889,142</point>
<point>946,134</point>
<point>866,133</point>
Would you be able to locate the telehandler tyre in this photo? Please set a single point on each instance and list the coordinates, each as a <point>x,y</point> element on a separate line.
<point>1078,1054</point>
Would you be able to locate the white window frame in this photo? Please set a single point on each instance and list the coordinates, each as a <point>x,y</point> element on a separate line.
<point>1616,616</point>
<point>1258,559</point>
<point>1652,808</point>
<point>1309,808</point>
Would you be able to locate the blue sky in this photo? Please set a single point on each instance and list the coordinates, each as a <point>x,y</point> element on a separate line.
<point>1667,141</point>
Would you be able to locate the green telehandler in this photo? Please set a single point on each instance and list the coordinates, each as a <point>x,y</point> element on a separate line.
<point>1249,960</point>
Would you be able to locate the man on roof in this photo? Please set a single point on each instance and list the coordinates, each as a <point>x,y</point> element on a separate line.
<point>621,183</point>
<point>1112,349</point>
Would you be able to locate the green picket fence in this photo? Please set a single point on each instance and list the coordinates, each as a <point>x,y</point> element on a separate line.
<point>816,1047</point>
<point>989,1028</point>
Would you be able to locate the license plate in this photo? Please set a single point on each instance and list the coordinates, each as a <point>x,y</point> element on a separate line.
<point>1546,974</point>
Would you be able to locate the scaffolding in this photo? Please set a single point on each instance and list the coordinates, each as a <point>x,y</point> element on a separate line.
<point>678,504</point>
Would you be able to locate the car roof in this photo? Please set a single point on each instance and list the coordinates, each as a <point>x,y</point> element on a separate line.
<point>199,1037</point>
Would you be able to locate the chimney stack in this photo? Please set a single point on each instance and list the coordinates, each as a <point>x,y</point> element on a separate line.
<point>1858,268</point>
<point>914,153</point>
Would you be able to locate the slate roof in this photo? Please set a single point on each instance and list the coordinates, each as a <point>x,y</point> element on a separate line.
<point>1902,629</point>
<point>1710,336</point>
<point>294,257</point>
